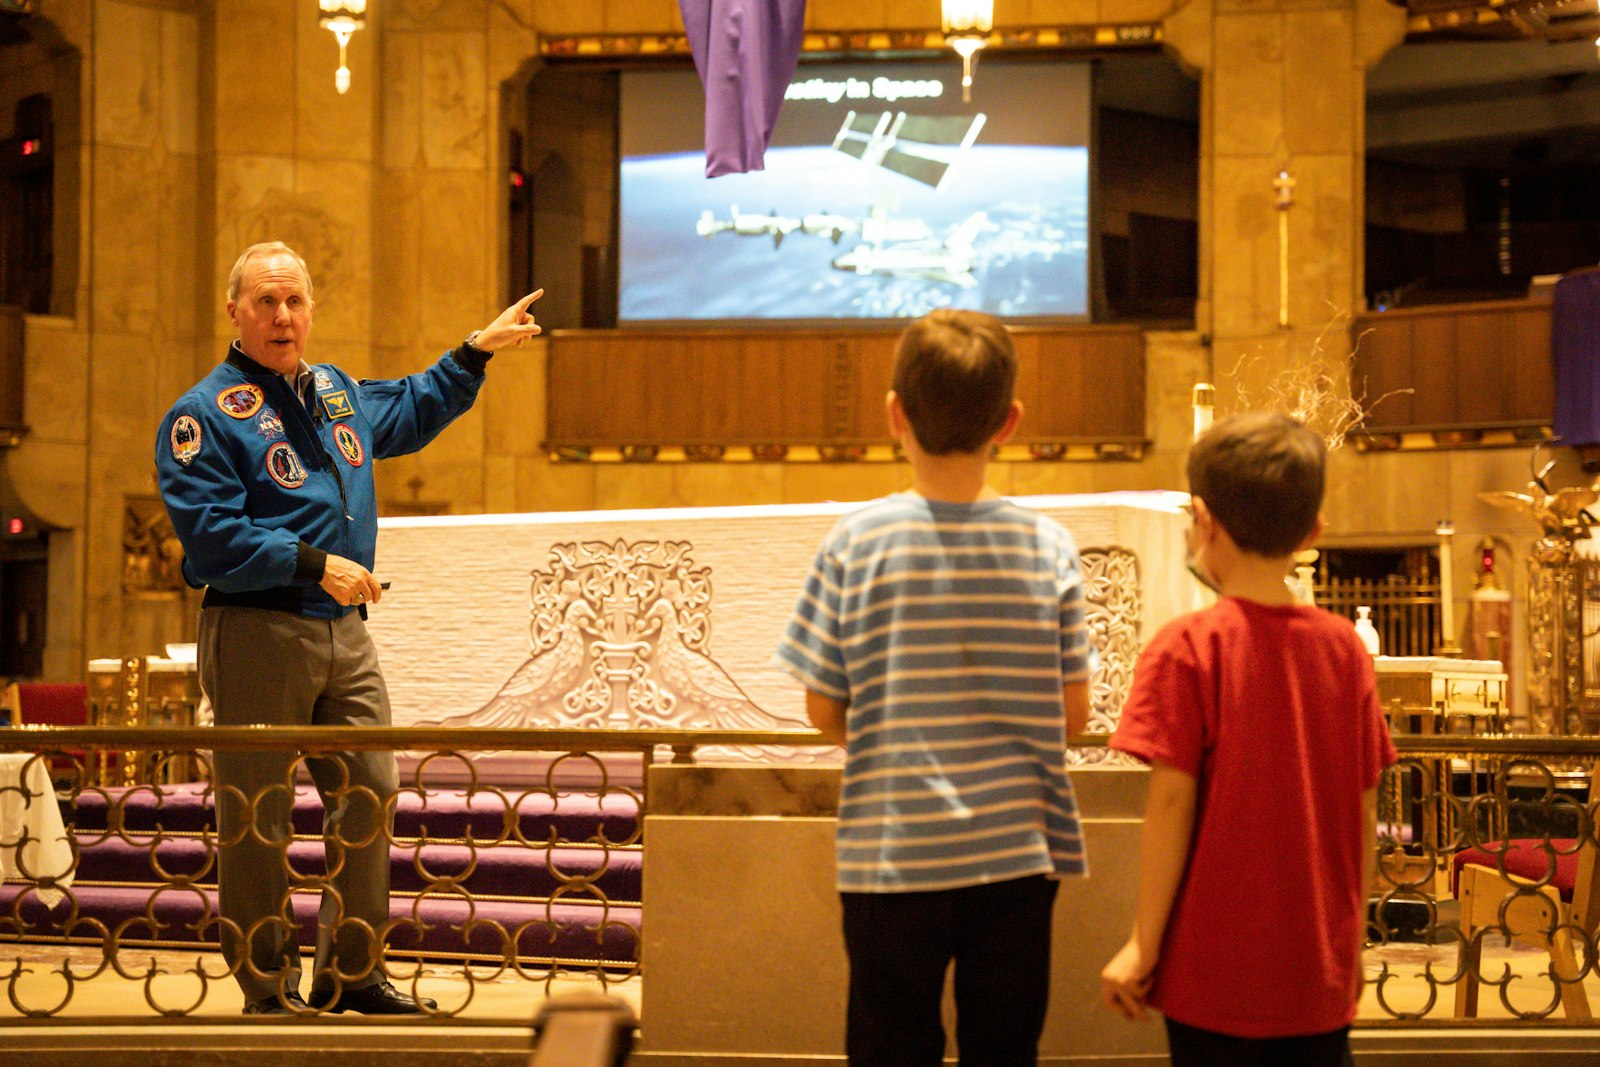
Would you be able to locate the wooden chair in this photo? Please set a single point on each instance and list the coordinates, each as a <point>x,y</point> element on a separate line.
<point>1570,900</point>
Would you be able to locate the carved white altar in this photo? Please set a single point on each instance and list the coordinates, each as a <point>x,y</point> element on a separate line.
<point>669,618</point>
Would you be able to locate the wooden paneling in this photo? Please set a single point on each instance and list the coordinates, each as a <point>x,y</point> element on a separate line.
<point>1468,366</point>
<point>1530,348</point>
<point>816,387</point>
<point>11,376</point>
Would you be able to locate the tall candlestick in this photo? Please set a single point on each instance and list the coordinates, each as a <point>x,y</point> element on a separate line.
<point>1204,401</point>
<point>1285,200</point>
<point>1447,590</point>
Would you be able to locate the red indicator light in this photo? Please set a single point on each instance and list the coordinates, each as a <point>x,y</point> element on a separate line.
<point>13,526</point>
<point>517,180</point>
<point>30,147</point>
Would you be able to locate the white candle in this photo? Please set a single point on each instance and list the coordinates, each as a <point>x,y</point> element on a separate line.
<point>1447,596</point>
<point>1204,399</point>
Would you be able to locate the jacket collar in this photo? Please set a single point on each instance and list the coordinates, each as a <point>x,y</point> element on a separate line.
<point>239,361</point>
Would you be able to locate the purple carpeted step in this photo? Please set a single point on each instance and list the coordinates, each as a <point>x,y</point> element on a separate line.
<point>443,814</point>
<point>505,870</point>
<point>541,931</point>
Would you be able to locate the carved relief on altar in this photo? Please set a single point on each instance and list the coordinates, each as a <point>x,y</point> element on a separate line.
<point>620,638</point>
<point>152,557</point>
<point>1114,608</point>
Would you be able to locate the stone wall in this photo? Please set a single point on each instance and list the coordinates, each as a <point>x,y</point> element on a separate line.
<point>100,375</point>
<point>208,126</point>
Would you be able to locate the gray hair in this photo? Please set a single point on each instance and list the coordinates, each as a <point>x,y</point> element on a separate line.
<point>261,251</point>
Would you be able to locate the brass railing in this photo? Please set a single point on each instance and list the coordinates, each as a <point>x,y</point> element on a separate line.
<point>1444,949</point>
<point>65,920</point>
<point>1486,896</point>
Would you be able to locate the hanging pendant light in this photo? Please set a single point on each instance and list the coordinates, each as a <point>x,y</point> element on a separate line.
<point>343,18</point>
<point>966,25</point>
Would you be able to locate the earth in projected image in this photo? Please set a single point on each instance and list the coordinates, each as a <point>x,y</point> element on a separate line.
<point>1006,233</point>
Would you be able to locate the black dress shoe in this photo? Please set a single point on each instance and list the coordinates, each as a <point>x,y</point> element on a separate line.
<point>380,999</point>
<point>275,1005</point>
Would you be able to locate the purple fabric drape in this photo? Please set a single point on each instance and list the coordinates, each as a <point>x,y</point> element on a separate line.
<point>1575,351</point>
<point>746,52</point>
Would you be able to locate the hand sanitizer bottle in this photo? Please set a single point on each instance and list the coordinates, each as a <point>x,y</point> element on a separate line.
<point>1365,630</point>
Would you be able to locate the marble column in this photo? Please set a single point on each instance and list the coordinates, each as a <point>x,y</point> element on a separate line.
<point>1282,91</point>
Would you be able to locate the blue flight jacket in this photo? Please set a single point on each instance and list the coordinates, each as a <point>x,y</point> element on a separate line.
<point>260,489</point>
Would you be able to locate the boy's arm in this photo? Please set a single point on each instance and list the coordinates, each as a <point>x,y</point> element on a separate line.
<point>1369,874</point>
<point>1075,699</point>
<point>1163,856</point>
<point>827,714</point>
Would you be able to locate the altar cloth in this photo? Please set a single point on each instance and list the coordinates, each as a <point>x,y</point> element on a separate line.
<point>33,840</point>
<point>668,618</point>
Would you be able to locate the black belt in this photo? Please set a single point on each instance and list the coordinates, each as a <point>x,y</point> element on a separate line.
<point>289,598</point>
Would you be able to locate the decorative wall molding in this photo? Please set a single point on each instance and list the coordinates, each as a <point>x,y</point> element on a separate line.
<point>1440,440</point>
<point>1036,451</point>
<point>1083,37</point>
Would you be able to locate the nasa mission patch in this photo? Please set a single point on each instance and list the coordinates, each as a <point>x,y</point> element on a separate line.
<point>285,466</point>
<point>185,439</point>
<point>241,401</point>
<point>269,425</point>
<point>349,444</point>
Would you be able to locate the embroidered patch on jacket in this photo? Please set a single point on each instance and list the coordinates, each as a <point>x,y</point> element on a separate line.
<point>349,444</point>
<point>269,425</point>
<point>323,381</point>
<point>337,405</point>
<point>185,439</point>
<point>285,466</point>
<point>241,401</point>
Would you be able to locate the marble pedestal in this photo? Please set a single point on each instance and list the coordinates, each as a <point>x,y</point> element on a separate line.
<point>743,955</point>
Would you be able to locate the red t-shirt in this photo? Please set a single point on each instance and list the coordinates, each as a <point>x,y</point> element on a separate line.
<point>1275,711</point>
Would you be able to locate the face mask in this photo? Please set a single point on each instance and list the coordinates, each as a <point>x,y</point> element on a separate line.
<point>1191,559</point>
<point>1193,563</point>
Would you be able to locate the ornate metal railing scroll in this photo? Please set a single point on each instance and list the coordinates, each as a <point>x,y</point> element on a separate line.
<point>1486,909</point>
<point>1485,900</point>
<point>488,882</point>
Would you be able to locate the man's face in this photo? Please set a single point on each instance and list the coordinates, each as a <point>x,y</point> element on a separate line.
<point>273,312</point>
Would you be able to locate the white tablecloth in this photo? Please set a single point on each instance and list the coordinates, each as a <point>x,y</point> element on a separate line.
<point>28,810</point>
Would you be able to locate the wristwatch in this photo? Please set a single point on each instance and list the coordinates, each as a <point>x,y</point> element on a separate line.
<point>471,344</point>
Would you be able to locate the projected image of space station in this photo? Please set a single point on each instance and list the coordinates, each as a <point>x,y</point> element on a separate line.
<point>884,196</point>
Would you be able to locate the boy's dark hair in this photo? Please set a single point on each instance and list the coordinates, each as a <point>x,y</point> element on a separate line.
<point>954,372</point>
<point>1262,477</point>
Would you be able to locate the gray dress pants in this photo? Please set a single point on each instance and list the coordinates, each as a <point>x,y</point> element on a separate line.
<point>273,667</point>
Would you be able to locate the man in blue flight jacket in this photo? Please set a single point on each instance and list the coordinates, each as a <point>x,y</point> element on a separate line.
<point>266,469</point>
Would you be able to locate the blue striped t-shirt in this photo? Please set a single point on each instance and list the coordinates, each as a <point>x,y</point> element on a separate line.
<point>949,630</point>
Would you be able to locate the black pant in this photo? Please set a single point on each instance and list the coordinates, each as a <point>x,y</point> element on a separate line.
<point>1191,1046</point>
<point>900,946</point>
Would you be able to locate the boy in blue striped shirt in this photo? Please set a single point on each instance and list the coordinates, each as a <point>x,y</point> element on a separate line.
<point>942,641</point>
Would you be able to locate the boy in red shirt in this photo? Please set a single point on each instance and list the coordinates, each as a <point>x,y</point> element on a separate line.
<point>1260,720</point>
